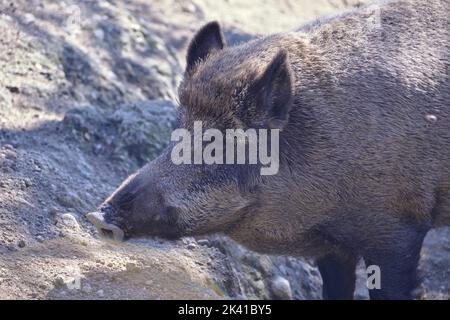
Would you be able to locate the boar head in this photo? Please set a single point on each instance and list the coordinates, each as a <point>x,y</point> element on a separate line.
<point>225,88</point>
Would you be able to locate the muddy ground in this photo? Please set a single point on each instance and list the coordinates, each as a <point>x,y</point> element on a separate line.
<point>87,91</point>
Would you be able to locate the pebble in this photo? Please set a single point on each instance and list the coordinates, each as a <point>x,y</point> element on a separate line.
<point>21,244</point>
<point>281,288</point>
<point>259,285</point>
<point>189,8</point>
<point>28,18</point>
<point>101,293</point>
<point>431,117</point>
<point>99,34</point>
<point>54,211</point>
<point>191,246</point>
<point>203,242</point>
<point>69,220</point>
<point>59,281</point>
<point>131,266</point>
<point>86,288</point>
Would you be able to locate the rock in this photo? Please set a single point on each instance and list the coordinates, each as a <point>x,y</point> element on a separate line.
<point>248,268</point>
<point>189,7</point>
<point>43,286</point>
<point>281,288</point>
<point>86,288</point>
<point>59,282</point>
<point>101,293</point>
<point>54,212</point>
<point>431,117</point>
<point>99,34</point>
<point>265,265</point>
<point>21,244</point>
<point>69,220</point>
<point>28,18</point>
<point>260,286</point>
<point>131,267</point>
<point>203,242</point>
<point>191,246</point>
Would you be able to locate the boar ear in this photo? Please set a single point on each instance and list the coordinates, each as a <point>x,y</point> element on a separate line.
<point>273,91</point>
<point>207,40</point>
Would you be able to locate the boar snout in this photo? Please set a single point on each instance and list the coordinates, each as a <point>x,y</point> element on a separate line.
<point>105,229</point>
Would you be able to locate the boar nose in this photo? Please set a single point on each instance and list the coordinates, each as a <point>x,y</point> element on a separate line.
<point>107,230</point>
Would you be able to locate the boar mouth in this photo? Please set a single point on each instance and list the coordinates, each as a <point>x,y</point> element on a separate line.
<point>105,229</point>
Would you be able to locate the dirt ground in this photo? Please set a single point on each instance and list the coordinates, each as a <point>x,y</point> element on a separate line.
<point>86,91</point>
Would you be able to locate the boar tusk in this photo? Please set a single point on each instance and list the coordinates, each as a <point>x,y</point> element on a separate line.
<point>98,220</point>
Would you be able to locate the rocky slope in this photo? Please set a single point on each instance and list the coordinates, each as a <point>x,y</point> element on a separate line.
<point>86,97</point>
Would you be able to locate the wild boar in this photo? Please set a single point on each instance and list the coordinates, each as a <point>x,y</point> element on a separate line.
<point>363,104</point>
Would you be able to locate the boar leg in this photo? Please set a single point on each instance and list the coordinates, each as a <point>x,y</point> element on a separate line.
<point>338,276</point>
<point>397,260</point>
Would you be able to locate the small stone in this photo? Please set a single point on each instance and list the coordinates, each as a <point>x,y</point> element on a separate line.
<point>101,293</point>
<point>281,288</point>
<point>59,282</point>
<point>203,242</point>
<point>10,154</point>
<point>431,117</point>
<point>69,220</point>
<point>191,246</point>
<point>39,238</point>
<point>259,285</point>
<point>13,89</point>
<point>87,288</point>
<point>28,18</point>
<point>131,267</point>
<point>21,244</point>
<point>54,212</point>
<point>99,34</point>
<point>189,8</point>
<point>8,147</point>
